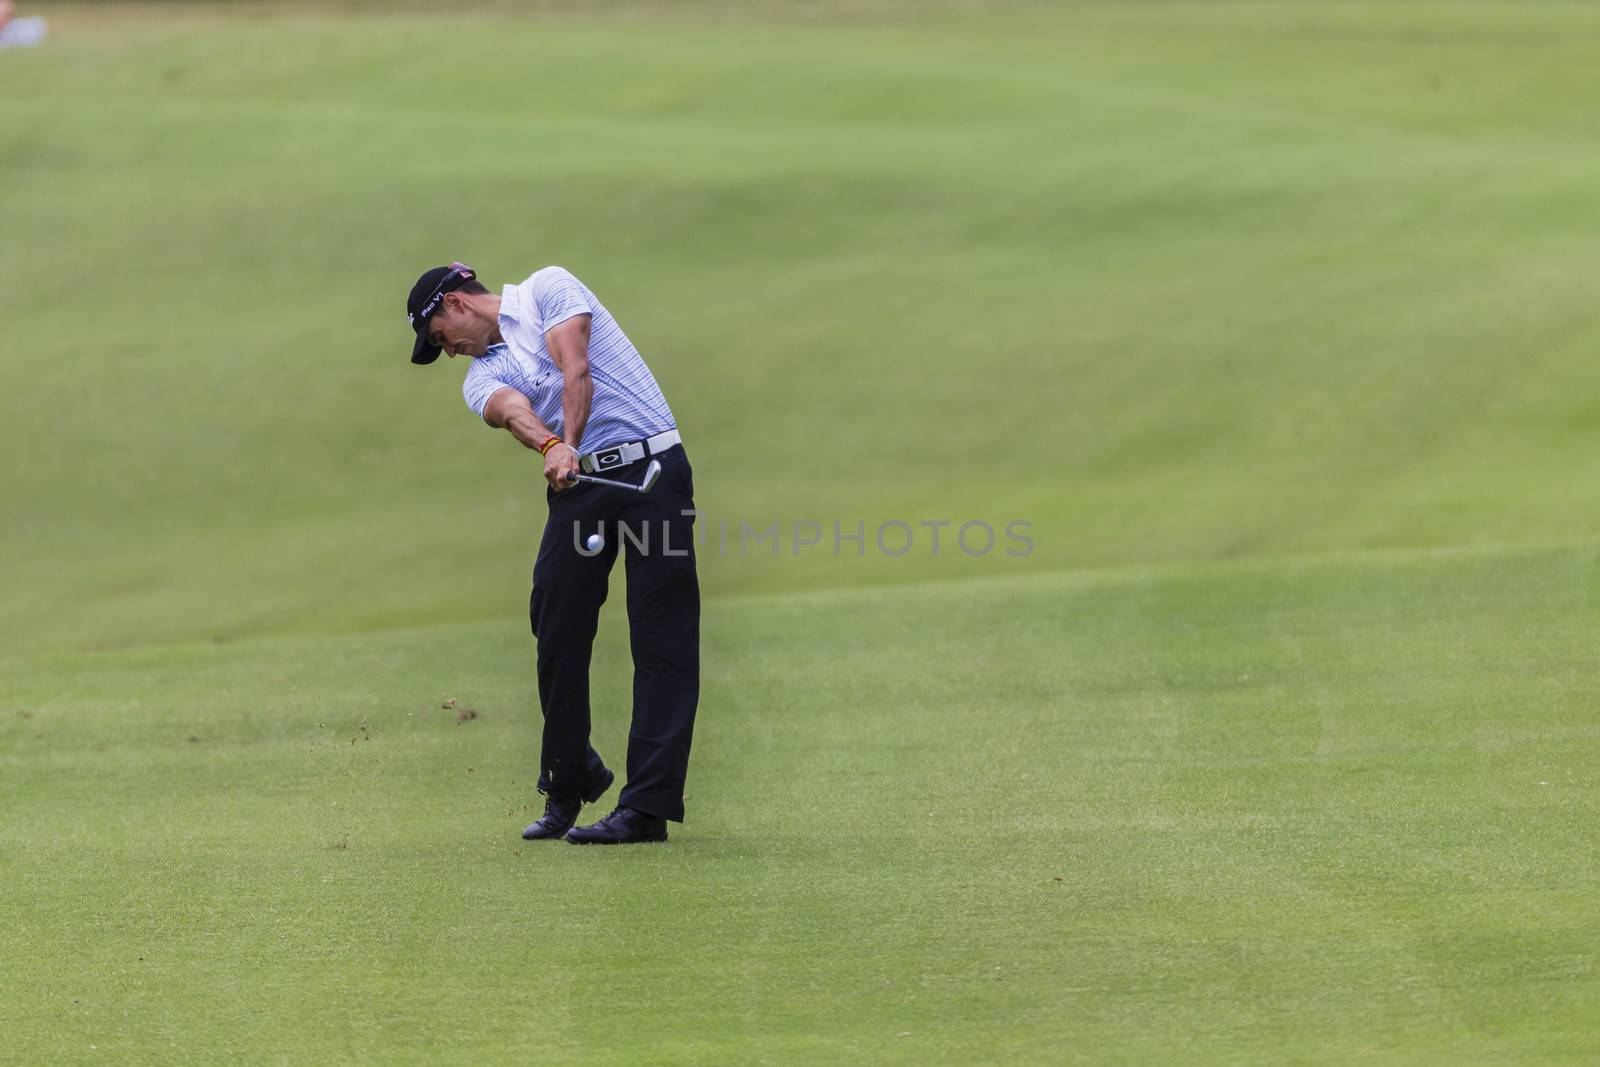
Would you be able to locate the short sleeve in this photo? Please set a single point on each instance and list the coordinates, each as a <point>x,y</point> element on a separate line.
<point>559,296</point>
<point>479,385</point>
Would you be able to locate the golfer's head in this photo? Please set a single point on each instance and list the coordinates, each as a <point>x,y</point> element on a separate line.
<point>442,311</point>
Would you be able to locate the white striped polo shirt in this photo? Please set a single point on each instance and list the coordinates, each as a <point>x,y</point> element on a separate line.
<point>627,404</point>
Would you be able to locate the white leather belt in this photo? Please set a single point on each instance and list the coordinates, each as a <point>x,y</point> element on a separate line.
<point>621,455</point>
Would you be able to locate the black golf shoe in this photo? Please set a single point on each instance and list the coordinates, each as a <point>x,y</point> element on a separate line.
<point>559,815</point>
<point>622,827</point>
<point>561,812</point>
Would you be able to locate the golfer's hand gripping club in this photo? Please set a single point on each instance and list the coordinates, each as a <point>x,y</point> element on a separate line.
<point>560,465</point>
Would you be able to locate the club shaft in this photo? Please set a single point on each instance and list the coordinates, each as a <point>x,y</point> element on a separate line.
<point>602,481</point>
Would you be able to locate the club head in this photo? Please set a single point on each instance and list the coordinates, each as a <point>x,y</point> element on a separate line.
<point>652,474</point>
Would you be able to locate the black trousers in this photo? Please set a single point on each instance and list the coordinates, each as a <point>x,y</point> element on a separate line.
<point>569,585</point>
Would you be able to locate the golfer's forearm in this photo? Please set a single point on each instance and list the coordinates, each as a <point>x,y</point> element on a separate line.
<point>527,427</point>
<point>509,410</point>
<point>577,393</point>
<point>569,349</point>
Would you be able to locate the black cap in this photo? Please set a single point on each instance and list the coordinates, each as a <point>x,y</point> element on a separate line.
<point>425,298</point>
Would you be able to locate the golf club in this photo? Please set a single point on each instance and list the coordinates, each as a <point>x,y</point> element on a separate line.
<point>651,474</point>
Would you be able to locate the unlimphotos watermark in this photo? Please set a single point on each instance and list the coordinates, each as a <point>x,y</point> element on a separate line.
<point>896,538</point>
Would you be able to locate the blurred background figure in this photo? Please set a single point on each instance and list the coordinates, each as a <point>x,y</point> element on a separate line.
<point>19,33</point>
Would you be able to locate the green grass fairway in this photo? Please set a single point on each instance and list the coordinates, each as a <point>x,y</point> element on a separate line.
<point>1275,320</point>
<point>1322,812</point>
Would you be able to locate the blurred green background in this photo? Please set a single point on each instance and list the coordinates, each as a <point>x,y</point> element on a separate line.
<point>1273,320</point>
<point>1169,281</point>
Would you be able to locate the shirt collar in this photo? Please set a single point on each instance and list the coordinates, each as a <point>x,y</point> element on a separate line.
<point>510,304</point>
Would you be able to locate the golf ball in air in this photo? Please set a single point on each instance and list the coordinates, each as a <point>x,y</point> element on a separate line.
<point>594,543</point>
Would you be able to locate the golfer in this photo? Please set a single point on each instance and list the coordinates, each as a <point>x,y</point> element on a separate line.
<point>552,367</point>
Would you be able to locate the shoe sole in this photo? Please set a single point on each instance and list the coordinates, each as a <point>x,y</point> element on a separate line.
<point>632,841</point>
<point>547,837</point>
